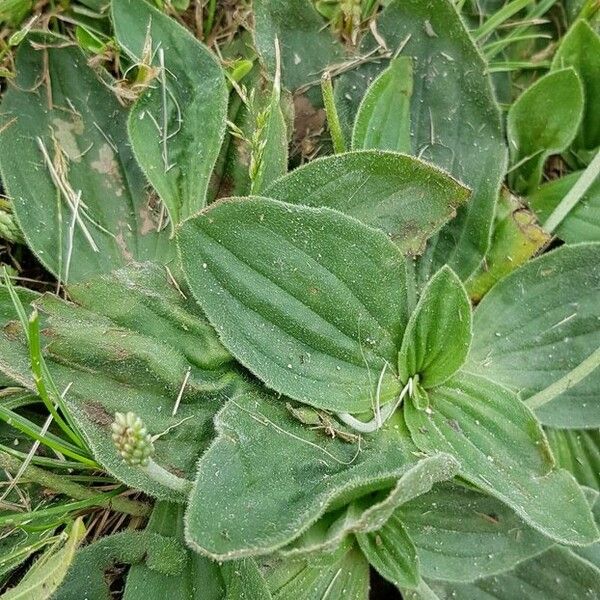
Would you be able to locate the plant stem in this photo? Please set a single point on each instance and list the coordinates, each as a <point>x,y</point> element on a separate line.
<point>164,477</point>
<point>61,484</point>
<point>333,121</point>
<point>573,377</point>
<point>574,195</point>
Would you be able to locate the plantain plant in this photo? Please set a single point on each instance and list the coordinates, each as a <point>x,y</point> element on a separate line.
<point>324,369</point>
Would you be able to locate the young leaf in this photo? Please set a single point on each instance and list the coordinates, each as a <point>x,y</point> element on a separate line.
<point>260,464</point>
<point>462,535</point>
<point>392,553</point>
<point>580,49</point>
<point>556,573</point>
<point>408,199</point>
<point>542,121</point>
<point>455,121</point>
<point>578,451</point>
<point>537,325</point>
<point>503,450</point>
<point>343,575</point>
<point>310,300</point>
<point>383,118</point>
<point>582,224</point>
<point>515,239</point>
<point>79,198</point>
<point>438,335</point>
<point>47,573</point>
<point>177,125</point>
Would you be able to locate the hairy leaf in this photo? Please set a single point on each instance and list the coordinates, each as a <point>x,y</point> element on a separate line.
<point>503,450</point>
<point>455,122</point>
<point>542,121</point>
<point>537,325</point>
<point>438,336</point>
<point>310,300</point>
<point>408,199</point>
<point>267,464</point>
<point>580,49</point>
<point>177,124</point>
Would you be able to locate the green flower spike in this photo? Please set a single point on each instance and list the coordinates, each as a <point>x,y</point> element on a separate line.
<point>136,446</point>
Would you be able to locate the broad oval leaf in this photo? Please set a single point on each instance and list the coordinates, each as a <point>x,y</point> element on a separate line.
<point>580,49</point>
<point>462,535</point>
<point>78,195</point>
<point>310,300</point>
<point>438,335</point>
<point>455,121</point>
<point>582,223</point>
<point>391,551</point>
<point>503,450</point>
<point>544,120</point>
<point>383,118</point>
<point>177,125</point>
<point>538,324</point>
<point>405,197</point>
<point>266,463</point>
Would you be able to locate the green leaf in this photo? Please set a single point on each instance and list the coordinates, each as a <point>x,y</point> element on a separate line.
<point>408,199</point>
<point>177,125</point>
<point>341,576</point>
<point>582,224</point>
<point>307,45</point>
<point>540,323</point>
<point>578,451</point>
<point>438,336</point>
<point>108,367</point>
<point>515,239</point>
<point>455,121</point>
<point>503,450</point>
<point>47,573</point>
<point>310,300</point>
<point>580,49</point>
<point>83,134</point>
<point>558,573</point>
<point>383,118</point>
<point>266,463</point>
<point>392,553</point>
<point>462,535</point>
<point>544,120</point>
<point>146,299</point>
